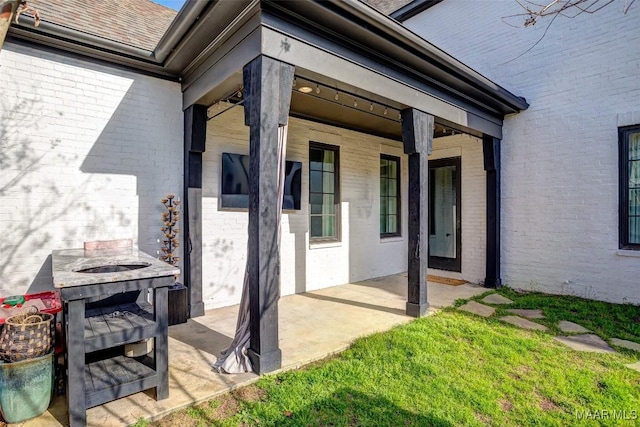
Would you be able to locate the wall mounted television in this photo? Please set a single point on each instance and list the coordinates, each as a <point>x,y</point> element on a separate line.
<point>235,183</point>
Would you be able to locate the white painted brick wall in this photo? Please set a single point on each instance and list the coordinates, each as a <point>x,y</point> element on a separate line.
<point>87,152</point>
<point>361,254</point>
<point>560,159</point>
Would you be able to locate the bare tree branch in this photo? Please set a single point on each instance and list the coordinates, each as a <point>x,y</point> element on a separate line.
<point>533,11</point>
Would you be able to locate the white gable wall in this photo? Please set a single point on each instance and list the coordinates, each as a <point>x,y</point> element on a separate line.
<point>87,152</point>
<point>560,157</point>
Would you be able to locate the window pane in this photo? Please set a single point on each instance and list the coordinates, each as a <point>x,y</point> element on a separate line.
<point>393,168</point>
<point>328,226</point>
<point>329,160</point>
<point>315,182</point>
<point>634,146</point>
<point>393,206</point>
<point>316,226</point>
<point>383,224</point>
<point>328,204</point>
<point>315,159</point>
<point>392,224</point>
<point>634,230</point>
<point>328,185</point>
<point>634,174</point>
<point>384,167</point>
<point>384,206</point>
<point>393,187</point>
<point>634,202</point>
<point>384,185</point>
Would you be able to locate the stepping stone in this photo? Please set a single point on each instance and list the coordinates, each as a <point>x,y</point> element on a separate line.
<point>588,342</point>
<point>496,299</point>
<point>523,323</point>
<point>477,308</point>
<point>635,366</point>
<point>626,344</point>
<point>529,314</point>
<point>570,327</point>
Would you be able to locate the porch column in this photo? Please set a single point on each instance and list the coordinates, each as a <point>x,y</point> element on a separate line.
<point>195,129</point>
<point>491,150</point>
<point>267,94</point>
<point>417,137</point>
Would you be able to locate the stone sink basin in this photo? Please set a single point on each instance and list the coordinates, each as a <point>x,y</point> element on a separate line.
<point>116,268</point>
<point>71,267</point>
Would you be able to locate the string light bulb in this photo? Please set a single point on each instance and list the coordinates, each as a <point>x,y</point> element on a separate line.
<point>355,102</point>
<point>295,82</point>
<point>317,89</point>
<point>336,97</point>
<point>385,111</point>
<point>371,107</point>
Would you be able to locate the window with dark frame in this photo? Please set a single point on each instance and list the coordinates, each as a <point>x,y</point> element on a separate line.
<point>324,197</point>
<point>389,196</point>
<point>629,157</point>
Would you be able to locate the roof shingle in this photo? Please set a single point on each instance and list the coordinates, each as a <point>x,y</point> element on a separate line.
<point>138,23</point>
<point>387,6</point>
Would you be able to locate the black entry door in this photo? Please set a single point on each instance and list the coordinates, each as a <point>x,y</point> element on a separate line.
<point>445,237</point>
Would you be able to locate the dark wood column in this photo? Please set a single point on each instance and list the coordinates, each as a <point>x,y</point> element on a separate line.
<point>417,137</point>
<point>267,94</point>
<point>491,150</point>
<point>195,129</point>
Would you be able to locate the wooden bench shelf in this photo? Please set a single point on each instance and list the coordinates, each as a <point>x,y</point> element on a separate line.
<point>108,327</point>
<point>109,379</point>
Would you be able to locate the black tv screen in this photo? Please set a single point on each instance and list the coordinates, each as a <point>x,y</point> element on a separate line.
<point>235,182</point>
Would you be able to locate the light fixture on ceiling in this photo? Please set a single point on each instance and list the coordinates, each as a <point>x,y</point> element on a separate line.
<point>239,94</point>
<point>306,89</point>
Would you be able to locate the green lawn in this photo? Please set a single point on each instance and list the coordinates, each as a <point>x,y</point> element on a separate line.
<point>451,369</point>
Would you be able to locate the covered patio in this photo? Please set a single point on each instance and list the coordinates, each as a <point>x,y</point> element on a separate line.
<point>312,326</point>
<point>336,67</point>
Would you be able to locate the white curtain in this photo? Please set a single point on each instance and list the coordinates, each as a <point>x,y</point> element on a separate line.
<point>234,359</point>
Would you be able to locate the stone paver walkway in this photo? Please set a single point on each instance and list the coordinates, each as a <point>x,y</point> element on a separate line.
<point>570,327</point>
<point>478,309</point>
<point>496,299</point>
<point>582,341</point>
<point>524,323</point>
<point>529,314</point>
<point>626,344</point>
<point>587,342</point>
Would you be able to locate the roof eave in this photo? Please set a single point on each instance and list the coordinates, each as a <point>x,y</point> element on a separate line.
<point>412,9</point>
<point>511,103</point>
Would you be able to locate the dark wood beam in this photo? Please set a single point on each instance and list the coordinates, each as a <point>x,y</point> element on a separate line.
<point>417,137</point>
<point>267,94</point>
<point>195,130</point>
<point>491,151</point>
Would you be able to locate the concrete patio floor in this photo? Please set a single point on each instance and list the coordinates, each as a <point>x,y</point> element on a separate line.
<point>312,326</point>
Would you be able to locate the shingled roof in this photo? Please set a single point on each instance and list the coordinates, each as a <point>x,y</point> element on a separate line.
<point>138,23</point>
<point>387,6</point>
